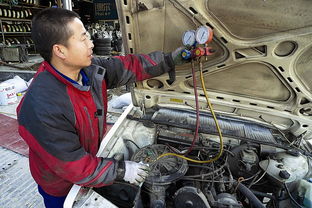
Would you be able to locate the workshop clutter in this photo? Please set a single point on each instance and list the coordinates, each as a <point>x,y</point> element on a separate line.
<point>17,53</point>
<point>107,38</point>
<point>9,89</point>
<point>7,94</point>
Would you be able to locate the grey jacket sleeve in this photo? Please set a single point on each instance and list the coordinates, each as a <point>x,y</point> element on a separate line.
<point>122,70</point>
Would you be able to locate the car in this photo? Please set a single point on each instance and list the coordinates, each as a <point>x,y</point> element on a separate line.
<point>233,129</point>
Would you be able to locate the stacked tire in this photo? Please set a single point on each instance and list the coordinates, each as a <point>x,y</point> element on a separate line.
<point>119,45</point>
<point>102,47</point>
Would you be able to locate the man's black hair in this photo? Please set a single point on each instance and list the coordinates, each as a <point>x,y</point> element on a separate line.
<point>49,27</point>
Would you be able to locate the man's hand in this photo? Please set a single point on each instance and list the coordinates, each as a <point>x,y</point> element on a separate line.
<point>177,56</point>
<point>135,173</point>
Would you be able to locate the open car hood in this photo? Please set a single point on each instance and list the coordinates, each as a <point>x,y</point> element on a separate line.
<point>261,68</point>
<point>258,80</point>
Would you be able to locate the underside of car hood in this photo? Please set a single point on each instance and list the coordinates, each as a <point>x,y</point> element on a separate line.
<point>261,67</point>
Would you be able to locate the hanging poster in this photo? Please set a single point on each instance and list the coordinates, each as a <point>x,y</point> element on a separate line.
<point>105,10</point>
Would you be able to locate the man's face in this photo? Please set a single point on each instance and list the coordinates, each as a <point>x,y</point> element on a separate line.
<point>79,46</point>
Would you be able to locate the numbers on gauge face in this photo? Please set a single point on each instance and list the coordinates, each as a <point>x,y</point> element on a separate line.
<point>188,38</point>
<point>203,34</point>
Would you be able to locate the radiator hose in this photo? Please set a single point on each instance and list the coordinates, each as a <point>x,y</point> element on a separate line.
<point>250,196</point>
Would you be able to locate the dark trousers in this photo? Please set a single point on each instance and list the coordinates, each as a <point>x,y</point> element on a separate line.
<point>51,201</point>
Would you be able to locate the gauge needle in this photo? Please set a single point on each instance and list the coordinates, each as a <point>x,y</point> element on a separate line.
<point>202,35</point>
<point>188,38</point>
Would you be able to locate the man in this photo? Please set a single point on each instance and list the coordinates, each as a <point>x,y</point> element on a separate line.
<point>62,117</point>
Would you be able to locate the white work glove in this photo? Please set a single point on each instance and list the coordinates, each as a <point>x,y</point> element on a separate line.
<point>135,173</point>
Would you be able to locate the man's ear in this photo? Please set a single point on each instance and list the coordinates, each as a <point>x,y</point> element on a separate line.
<point>59,51</point>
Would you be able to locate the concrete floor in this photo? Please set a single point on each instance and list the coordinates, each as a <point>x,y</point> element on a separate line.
<point>17,187</point>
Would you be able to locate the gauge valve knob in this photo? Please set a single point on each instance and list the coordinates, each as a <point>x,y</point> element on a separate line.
<point>198,52</point>
<point>186,54</point>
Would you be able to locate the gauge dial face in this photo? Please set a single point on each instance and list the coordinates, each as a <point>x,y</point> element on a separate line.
<point>203,34</point>
<point>188,38</point>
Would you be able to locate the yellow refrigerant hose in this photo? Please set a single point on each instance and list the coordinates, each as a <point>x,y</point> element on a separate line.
<point>215,120</point>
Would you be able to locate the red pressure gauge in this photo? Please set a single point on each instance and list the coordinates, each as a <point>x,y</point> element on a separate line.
<point>204,35</point>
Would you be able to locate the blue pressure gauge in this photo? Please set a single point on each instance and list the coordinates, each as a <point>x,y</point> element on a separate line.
<point>188,38</point>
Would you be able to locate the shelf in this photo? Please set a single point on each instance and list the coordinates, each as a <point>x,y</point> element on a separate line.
<point>14,45</point>
<point>14,19</point>
<point>87,1</point>
<point>32,6</point>
<point>16,33</point>
<point>23,5</point>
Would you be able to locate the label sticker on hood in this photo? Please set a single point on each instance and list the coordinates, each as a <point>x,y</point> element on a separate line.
<point>176,100</point>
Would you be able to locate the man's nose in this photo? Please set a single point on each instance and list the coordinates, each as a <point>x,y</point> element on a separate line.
<point>91,45</point>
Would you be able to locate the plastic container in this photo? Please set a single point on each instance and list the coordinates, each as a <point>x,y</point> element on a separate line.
<point>7,94</point>
<point>305,191</point>
<point>19,84</point>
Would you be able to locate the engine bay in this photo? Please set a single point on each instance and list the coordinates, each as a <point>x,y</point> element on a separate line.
<point>259,166</point>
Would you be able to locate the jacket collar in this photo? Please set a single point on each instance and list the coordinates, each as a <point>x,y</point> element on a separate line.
<point>46,66</point>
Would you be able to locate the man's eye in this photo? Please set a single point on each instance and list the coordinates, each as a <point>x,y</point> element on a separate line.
<point>88,35</point>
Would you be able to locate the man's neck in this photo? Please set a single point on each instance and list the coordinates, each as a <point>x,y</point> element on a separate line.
<point>69,71</point>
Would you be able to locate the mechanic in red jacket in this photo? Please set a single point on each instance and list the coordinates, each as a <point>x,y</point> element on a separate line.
<point>62,117</point>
